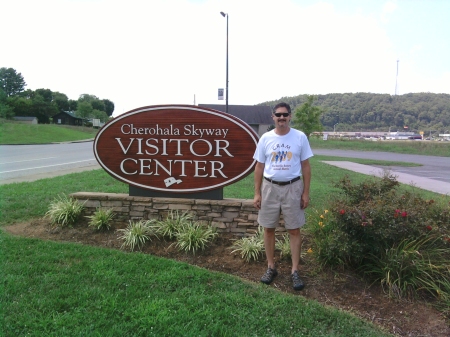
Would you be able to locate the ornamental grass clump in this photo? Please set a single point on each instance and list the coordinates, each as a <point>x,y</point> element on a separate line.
<point>101,219</point>
<point>250,248</point>
<point>173,224</point>
<point>413,265</point>
<point>259,234</point>
<point>64,211</point>
<point>193,236</point>
<point>284,246</point>
<point>136,234</point>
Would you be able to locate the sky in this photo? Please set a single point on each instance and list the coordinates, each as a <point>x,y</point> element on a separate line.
<point>147,52</point>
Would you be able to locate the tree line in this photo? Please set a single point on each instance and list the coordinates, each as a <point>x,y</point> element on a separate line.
<point>378,112</point>
<point>45,103</point>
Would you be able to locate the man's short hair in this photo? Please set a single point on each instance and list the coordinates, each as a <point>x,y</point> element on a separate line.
<point>282,105</point>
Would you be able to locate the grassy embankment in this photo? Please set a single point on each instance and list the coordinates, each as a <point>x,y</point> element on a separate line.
<point>19,133</point>
<point>64,289</point>
<point>429,148</point>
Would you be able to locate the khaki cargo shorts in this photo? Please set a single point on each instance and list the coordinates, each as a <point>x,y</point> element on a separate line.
<point>276,198</point>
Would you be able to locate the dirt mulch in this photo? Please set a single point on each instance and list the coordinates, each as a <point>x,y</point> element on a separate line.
<point>341,290</point>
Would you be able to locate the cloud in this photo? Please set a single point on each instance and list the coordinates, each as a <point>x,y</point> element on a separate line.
<point>389,7</point>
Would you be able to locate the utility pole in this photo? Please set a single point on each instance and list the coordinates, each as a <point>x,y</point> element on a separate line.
<point>226,90</point>
<point>396,79</point>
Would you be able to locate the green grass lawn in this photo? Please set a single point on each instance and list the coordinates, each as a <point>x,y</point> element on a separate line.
<point>19,133</point>
<point>57,289</point>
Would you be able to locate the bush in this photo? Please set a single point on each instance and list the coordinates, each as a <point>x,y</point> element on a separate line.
<point>367,189</point>
<point>353,230</point>
<point>331,244</point>
<point>101,219</point>
<point>391,236</point>
<point>64,211</point>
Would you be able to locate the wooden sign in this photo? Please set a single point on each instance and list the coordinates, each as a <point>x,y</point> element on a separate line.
<point>176,148</point>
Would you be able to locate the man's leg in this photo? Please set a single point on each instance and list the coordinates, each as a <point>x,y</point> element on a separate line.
<point>296,243</point>
<point>269,245</point>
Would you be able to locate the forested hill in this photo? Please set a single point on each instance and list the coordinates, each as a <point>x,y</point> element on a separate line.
<point>378,112</point>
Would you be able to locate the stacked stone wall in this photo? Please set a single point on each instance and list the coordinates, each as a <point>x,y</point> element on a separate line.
<point>236,216</point>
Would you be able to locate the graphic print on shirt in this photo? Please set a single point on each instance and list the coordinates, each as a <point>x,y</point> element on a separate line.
<point>280,157</point>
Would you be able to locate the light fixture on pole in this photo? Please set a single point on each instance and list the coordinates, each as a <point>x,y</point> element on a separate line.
<point>226,90</point>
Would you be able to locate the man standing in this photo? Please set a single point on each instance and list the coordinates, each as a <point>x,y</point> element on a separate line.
<point>282,160</point>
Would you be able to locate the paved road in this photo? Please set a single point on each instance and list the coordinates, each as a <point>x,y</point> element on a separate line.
<point>436,168</point>
<point>32,162</point>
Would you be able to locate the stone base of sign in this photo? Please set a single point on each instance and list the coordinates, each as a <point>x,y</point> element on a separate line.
<point>216,194</point>
<point>236,216</point>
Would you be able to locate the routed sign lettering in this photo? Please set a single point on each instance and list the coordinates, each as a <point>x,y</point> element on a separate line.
<point>176,148</point>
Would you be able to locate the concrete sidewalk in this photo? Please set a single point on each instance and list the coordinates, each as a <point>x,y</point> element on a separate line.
<point>404,178</point>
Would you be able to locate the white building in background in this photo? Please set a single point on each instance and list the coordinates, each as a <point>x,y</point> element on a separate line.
<point>379,135</point>
<point>445,136</point>
<point>26,120</point>
<point>371,135</point>
<point>402,135</point>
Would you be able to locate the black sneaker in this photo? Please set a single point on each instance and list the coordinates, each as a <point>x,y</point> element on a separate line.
<point>297,282</point>
<point>268,277</point>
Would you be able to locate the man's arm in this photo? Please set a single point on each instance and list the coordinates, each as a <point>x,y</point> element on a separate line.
<point>306,174</point>
<point>259,169</point>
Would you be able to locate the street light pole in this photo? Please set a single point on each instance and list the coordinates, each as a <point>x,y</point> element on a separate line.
<point>334,128</point>
<point>226,90</point>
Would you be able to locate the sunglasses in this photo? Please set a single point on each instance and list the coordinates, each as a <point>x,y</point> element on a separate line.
<point>278,114</point>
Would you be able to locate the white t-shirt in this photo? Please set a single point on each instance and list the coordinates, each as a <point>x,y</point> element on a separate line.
<point>282,155</point>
